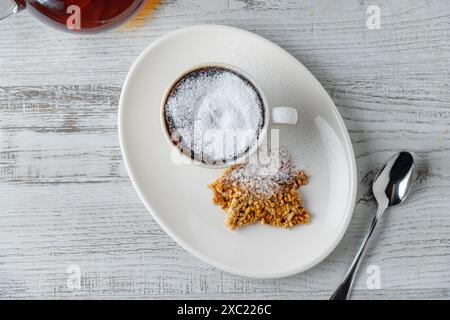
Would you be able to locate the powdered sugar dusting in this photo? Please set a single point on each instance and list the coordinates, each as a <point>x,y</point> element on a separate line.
<point>268,178</point>
<point>215,114</point>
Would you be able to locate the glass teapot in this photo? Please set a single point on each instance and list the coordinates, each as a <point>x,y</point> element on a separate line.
<point>86,16</point>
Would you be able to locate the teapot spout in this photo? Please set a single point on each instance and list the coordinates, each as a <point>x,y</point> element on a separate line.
<point>8,7</point>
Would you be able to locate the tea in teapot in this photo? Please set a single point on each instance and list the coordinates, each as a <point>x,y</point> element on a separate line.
<point>86,16</point>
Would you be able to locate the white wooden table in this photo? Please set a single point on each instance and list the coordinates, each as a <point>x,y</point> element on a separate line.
<point>66,201</point>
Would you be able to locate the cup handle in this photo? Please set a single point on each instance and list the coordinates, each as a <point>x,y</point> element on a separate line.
<point>284,115</point>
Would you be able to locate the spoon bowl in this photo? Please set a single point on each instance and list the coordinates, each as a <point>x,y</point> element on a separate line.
<point>392,183</point>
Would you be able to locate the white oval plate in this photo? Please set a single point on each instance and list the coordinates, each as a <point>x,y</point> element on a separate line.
<point>177,195</point>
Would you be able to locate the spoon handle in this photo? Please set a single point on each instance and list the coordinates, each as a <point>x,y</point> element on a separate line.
<point>343,291</point>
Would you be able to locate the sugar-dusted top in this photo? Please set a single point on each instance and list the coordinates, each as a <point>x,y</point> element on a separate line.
<point>214,114</point>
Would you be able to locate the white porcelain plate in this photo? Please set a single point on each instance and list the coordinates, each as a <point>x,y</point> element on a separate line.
<point>177,195</point>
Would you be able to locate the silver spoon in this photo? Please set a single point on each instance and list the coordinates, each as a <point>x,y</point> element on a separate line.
<point>390,187</point>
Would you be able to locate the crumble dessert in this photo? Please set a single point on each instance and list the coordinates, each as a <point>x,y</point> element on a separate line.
<point>266,193</point>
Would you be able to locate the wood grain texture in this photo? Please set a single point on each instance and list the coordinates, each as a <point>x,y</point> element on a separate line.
<point>66,199</point>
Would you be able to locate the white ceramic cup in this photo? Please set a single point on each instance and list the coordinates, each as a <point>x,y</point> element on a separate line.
<point>278,115</point>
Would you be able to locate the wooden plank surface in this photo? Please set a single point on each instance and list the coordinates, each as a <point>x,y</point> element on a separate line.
<point>66,199</point>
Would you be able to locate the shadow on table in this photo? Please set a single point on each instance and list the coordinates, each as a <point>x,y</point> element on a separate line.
<point>144,16</point>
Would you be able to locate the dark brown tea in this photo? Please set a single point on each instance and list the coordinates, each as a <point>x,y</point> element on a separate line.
<point>83,15</point>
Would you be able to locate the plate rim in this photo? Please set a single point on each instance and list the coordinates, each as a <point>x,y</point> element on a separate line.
<point>347,146</point>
